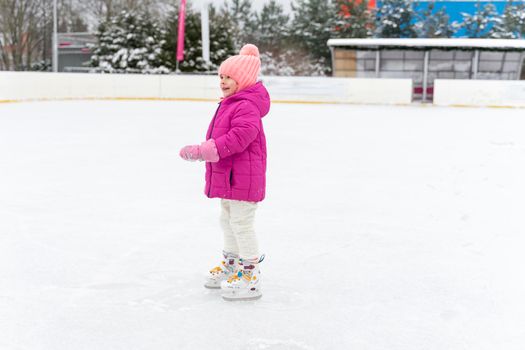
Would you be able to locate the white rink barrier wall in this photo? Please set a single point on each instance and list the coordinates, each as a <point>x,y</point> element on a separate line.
<point>482,93</point>
<point>24,86</point>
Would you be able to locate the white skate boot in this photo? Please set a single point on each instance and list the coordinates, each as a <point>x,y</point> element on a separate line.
<point>245,283</point>
<point>222,272</point>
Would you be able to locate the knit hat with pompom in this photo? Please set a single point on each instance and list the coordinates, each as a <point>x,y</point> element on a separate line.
<point>244,67</point>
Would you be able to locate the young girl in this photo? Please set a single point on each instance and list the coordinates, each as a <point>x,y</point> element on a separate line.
<point>235,155</point>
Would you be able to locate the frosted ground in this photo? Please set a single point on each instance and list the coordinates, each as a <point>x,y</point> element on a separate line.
<point>384,228</point>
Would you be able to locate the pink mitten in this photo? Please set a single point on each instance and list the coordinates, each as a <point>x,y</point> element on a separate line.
<point>191,153</point>
<point>209,151</point>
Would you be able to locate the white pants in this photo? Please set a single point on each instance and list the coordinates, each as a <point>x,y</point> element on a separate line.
<point>237,219</point>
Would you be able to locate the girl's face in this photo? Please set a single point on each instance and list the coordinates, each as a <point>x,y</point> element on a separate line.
<point>228,85</point>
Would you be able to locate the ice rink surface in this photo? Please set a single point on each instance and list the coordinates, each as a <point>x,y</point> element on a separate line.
<point>395,228</point>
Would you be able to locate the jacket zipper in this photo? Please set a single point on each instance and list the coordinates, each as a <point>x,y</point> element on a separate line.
<point>211,132</point>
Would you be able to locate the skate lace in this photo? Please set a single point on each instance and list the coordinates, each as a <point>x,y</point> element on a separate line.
<point>247,275</point>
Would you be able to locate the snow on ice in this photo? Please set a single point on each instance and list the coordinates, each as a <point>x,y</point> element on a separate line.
<point>384,228</point>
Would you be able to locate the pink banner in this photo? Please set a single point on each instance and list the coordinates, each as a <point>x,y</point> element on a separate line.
<point>180,38</point>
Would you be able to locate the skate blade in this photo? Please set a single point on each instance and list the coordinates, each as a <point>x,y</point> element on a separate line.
<point>212,285</point>
<point>241,297</point>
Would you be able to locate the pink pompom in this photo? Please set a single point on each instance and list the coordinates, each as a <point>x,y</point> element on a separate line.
<point>249,50</point>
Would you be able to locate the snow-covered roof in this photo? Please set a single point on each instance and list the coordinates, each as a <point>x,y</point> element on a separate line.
<point>471,44</point>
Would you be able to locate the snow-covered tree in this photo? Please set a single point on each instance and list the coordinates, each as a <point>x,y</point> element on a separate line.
<point>128,43</point>
<point>353,19</point>
<point>312,26</point>
<point>221,40</point>
<point>242,20</point>
<point>272,24</point>
<point>479,25</point>
<point>192,41</point>
<point>434,23</point>
<point>222,35</point>
<point>98,11</point>
<point>272,39</point>
<point>290,63</point>
<point>511,25</point>
<point>395,19</point>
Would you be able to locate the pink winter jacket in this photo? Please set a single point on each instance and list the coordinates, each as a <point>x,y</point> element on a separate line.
<point>237,129</point>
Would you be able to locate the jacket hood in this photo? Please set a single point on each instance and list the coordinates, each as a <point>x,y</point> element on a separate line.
<point>257,94</point>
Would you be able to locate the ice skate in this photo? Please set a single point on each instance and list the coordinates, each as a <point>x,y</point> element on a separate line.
<point>245,283</point>
<point>222,272</point>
